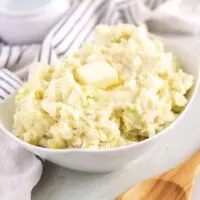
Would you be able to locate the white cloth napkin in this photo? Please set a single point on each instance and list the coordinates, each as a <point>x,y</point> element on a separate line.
<point>20,170</point>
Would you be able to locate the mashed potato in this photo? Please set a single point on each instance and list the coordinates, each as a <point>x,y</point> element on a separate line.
<point>123,87</point>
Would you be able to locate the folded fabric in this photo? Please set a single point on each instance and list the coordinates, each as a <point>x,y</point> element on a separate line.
<point>19,166</point>
<point>19,170</point>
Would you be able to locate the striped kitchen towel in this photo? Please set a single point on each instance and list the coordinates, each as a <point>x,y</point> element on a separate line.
<point>76,26</point>
<point>163,16</point>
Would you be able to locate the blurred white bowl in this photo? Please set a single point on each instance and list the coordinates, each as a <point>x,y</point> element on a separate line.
<point>108,160</point>
<point>25,22</point>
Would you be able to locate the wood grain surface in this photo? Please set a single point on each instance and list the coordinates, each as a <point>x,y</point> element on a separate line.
<point>175,184</point>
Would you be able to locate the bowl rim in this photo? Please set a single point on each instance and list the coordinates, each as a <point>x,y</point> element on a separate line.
<point>28,13</point>
<point>120,148</point>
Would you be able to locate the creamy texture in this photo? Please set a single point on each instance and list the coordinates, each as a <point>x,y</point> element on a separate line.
<point>121,88</point>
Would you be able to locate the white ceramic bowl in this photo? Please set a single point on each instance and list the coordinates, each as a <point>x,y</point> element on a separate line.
<point>109,159</point>
<point>31,23</point>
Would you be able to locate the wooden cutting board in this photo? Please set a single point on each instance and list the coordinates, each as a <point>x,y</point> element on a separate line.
<point>175,184</point>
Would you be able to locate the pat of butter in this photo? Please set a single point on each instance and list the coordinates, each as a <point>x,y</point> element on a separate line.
<point>99,74</point>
